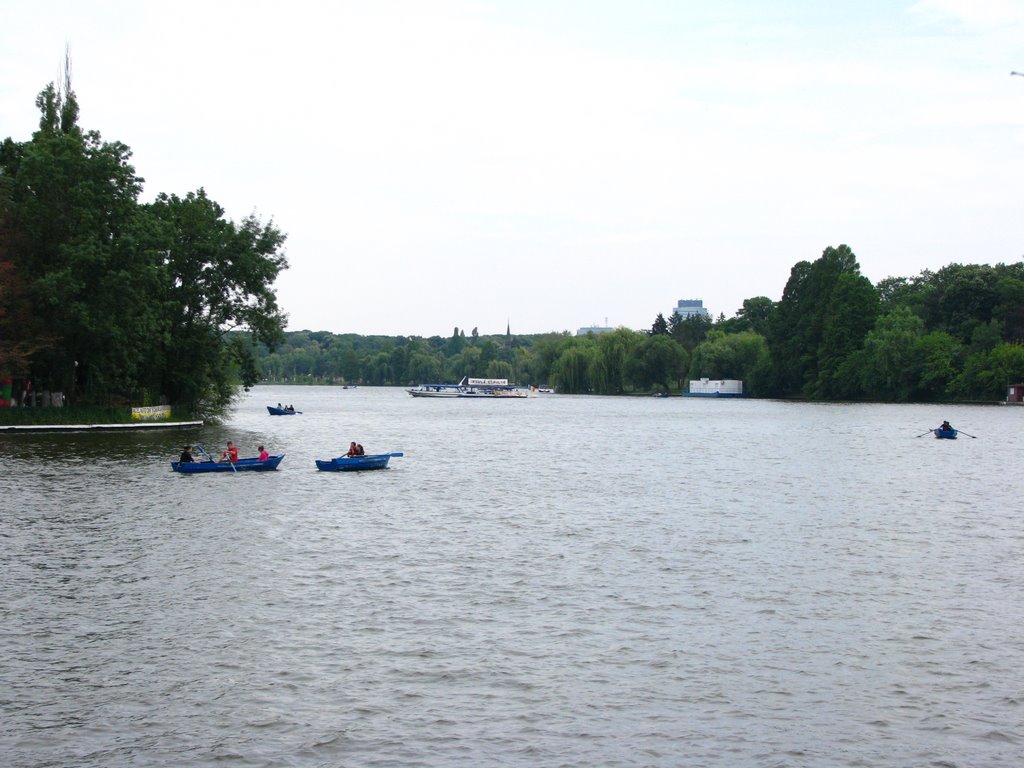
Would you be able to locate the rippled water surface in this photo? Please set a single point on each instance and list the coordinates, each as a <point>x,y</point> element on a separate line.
<point>558,581</point>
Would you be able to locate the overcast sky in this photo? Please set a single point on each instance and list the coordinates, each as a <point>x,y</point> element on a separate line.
<point>555,164</point>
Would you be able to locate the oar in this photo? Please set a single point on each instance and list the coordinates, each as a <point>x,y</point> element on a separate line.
<point>961,432</point>
<point>930,431</point>
<point>203,451</point>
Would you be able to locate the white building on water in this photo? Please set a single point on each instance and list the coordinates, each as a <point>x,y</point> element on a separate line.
<point>715,388</point>
<point>689,307</point>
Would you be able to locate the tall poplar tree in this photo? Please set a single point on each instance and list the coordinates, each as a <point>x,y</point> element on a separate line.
<point>827,309</point>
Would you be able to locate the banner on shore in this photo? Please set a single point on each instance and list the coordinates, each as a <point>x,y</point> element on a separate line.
<point>151,413</point>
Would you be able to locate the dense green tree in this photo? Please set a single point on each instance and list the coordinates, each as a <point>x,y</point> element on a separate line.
<point>742,356</point>
<point>499,369</point>
<point>570,373</point>
<point>963,297</point>
<point>137,302</point>
<point>757,312</point>
<point>466,363</point>
<point>937,354</point>
<point>1005,366</point>
<point>73,217</point>
<point>984,337</point>
<point>608,367</point>
<point>1009,309</point>
<point>456,342</point>
<point>522,364</point>
<point>909,292</point>
<point>986,373</point>
<point>425,368</point>
<point>400,358</point>
<point>546,351</point>
<point>827,308</point>
<point>790,337</point>
<point>18,342</point>
<point>849,316</point>
<point>889,366</point>
<point>660,326</point>
<point>217,278</point>
<point>489,352</point>
<point>20,335</point>
<point>377,369</point>
<point>656,360</point>
<point>691,331</point>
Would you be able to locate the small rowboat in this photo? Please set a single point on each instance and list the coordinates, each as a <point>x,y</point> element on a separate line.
<point>281,411</point>
<point>945,434</point>
<point>355,463</point>
<point>242,465</point>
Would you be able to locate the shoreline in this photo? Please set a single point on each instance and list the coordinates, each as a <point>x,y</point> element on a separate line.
<point>95,427</point>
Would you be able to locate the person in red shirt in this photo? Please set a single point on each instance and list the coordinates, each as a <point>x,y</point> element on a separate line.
<point>263,454</point>
<point>231,454</point>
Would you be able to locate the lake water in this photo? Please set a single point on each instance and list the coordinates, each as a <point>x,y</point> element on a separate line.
<point>557,581</point>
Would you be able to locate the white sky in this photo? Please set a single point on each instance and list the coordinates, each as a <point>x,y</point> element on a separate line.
<point>554,163</point>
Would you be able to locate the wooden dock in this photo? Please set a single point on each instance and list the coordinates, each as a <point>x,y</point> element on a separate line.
<point>99,427</point>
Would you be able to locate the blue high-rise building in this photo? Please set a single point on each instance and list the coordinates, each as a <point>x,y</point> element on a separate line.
<point>689,307</point>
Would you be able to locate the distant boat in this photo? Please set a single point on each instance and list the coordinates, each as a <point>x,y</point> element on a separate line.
<point>242,465</point>
<point>945,434</point>
<point>470,387</point>
<point>282,411</point>
<point>355,463</point>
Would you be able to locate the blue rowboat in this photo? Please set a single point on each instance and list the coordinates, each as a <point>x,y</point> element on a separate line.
<point>355,463</point>
<point>945,434</point>
<point>242,465</point>
<point>281,411</point>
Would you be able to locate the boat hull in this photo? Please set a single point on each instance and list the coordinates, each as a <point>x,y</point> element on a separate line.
<point>242,465</point>
<point>281,411</point>
<point>714,394</point>
<point>435,391</point>
<point>355,463</point>
<point>945,434</point>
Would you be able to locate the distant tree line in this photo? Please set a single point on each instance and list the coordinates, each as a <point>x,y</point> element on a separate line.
<point>954,334</point>
<point>110,300</point>
<point>106,299</point>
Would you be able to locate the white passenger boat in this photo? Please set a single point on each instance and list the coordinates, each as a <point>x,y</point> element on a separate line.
<point>470,387</point>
